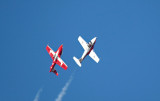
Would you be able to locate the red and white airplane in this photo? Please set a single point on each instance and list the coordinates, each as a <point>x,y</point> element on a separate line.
<point>88,50</point>
<point>56,59</point>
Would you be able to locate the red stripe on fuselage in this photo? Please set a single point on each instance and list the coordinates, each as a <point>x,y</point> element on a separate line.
<point>91,48</point>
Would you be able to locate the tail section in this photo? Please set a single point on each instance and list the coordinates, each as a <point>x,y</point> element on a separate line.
<point>77,61</point>
<point>55,72</point>
<point>52,69</point>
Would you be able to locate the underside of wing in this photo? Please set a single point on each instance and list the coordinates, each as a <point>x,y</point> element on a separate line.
<point>50,52</point>
<point>83,43</point>
<point>93,55</point>
<point>61,63</point>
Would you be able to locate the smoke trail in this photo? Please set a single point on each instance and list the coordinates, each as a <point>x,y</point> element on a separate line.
<point>38,94</point>
<point>64,89</point>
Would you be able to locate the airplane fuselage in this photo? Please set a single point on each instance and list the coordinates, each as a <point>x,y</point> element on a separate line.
<point>89,49</point>
<point>58,53</point>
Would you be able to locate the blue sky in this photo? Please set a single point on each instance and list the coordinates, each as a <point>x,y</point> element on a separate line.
<point>128,46</point>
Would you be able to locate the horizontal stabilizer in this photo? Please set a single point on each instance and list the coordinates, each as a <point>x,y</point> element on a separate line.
<point>77,61</point>
<point>55,72</point>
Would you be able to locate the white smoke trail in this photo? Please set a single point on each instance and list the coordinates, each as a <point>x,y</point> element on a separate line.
<point>38,94</point>
<point>64,89</point>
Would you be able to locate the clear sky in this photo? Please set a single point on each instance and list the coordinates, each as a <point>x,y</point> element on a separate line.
<point>128,45</point>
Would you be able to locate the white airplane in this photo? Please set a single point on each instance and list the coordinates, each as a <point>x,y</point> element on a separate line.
<point>88,50</point>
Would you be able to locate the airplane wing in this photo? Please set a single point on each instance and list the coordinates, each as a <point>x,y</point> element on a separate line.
<point>93,55</point>
<point>83,43</point>
<point>50,51</point>
<point>61,63</point>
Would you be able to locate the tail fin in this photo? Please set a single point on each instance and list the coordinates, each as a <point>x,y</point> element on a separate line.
<point>77,61</point>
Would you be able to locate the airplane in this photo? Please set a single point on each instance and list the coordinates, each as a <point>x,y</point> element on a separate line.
<point>56,57</point>
<point>88,50</point>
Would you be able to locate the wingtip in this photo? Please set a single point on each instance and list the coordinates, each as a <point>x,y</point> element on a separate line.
<point>57,74</point>
<point>79,37</point>
<point>65,68</point>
